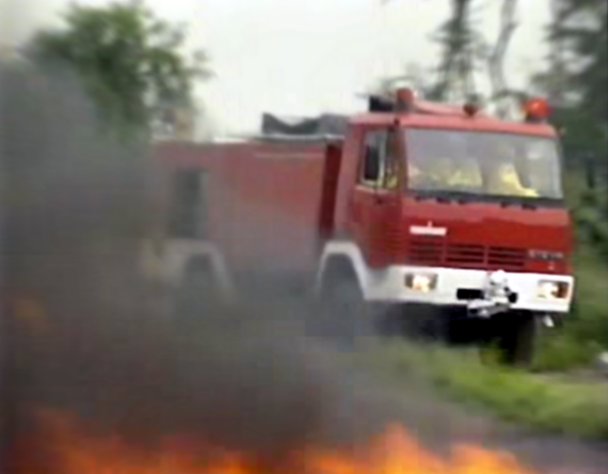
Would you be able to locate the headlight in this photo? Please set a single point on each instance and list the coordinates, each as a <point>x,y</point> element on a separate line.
<point>421,282</point>
<point>553,290</point>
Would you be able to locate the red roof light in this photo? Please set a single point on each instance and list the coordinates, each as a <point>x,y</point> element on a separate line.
<point>473,105</point>
<point>471,109</point>
<point>537,110</point>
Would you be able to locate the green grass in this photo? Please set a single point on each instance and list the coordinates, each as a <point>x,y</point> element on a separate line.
<point>555,404</point>
<point>562,351</point>
<point>585,333</point>
<point>590,317</point>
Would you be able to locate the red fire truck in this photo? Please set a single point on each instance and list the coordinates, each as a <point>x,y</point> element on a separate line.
<point>411,205</point>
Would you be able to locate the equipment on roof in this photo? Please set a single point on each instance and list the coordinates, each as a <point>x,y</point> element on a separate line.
<point>324,125</point>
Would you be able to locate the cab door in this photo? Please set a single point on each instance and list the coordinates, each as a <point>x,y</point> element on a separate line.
<point>376,198</point>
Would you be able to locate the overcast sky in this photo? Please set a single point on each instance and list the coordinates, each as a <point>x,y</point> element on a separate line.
<point>301,57</point>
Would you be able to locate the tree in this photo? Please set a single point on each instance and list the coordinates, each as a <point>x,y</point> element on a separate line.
<point>131,63</point>
<point>581,27</point>
<point>577,76</point>
<point>465,52</point>
<point>576,81</point>
<point>500,87</point>
<point>462,48</point>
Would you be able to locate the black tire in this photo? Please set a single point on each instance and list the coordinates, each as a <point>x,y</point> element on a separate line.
<point>344,313</point>
<point>197,298</point>
<point>392,323</point>
<point>514,337</point>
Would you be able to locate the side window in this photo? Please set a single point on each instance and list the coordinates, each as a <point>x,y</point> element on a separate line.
<point>188,207</point>
<point>372,169</point>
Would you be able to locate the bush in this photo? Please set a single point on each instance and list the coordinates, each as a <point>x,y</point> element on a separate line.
<point>590,319</point>
<point>586,329</point>
<point>563,351</point>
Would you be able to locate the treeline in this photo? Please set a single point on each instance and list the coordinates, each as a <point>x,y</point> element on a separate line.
<point>576,81</point>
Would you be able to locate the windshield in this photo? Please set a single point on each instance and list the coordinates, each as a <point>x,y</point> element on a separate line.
<point>490,164</point>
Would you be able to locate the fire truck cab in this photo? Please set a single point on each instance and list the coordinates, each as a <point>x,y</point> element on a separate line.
<point>411,205</point>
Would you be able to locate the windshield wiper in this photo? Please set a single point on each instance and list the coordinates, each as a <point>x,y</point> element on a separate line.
<point>441,198</point>
<point>517,202</point>
<point>446,197</point>
<point>463,198</point>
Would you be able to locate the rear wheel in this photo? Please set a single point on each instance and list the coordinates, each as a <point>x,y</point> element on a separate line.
<point>197,297</point>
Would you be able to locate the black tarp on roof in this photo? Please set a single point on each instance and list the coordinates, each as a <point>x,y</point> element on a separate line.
<point>324,125</point>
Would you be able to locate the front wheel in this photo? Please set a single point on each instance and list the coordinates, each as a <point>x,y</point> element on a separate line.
<point>514,337</point>
<point>344,313</point>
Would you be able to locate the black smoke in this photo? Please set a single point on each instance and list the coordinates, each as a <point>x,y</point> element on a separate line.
<point>85,333</point>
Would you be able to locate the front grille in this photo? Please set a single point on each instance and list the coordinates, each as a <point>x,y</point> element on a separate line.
<point>506,258</point>
<point>436,251</point>
<point>460,254</point>
<point>426,251</point>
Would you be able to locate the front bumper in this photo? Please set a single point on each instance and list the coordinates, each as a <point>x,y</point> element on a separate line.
<point>388,285</point>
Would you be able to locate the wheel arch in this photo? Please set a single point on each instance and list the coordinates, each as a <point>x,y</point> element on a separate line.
<point>341,257</point>
<point>180,256</point>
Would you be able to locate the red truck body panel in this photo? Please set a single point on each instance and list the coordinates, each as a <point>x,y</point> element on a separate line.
<point>269,203</point>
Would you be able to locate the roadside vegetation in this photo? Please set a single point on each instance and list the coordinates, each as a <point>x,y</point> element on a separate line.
<point>551,403</point>
<point>585,332</point>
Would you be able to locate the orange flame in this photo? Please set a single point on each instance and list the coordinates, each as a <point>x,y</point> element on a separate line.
<point>396,452</point>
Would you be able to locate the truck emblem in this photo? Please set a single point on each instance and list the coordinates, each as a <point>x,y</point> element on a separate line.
<point>429,229</point>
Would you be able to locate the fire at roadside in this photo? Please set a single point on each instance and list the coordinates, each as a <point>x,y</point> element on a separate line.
<point>95,373</point>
